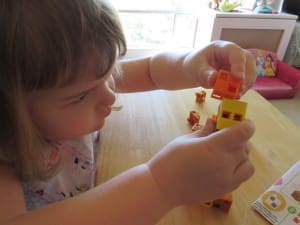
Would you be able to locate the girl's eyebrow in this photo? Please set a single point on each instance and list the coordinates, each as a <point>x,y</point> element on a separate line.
<point>76,95</point>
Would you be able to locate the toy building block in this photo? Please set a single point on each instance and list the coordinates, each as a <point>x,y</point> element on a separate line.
<point>194,117</point>
<point>296,219</point>
<point>224,203</point>
<point>214,117</point>
<point>226,86</point>
<point>200,96</point>
<point>196,126</point>
<point>296,195</point>
<point>230,111</point>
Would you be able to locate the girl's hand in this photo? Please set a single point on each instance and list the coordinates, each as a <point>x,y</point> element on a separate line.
<point>203,64</point>
<point>204,165</point>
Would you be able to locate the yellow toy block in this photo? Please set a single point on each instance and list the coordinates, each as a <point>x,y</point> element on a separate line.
<point>230,111</point>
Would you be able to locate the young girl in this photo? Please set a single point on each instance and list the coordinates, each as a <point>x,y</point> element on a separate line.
<point>59,68</point>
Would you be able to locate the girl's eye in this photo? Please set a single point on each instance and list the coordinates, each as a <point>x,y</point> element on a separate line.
<point>79,99</point>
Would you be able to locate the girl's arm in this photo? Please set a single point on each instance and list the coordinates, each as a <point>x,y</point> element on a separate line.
<point>156,72</point>
<point>131,196</point>
<point>144,194</point>
<point>185,70</point>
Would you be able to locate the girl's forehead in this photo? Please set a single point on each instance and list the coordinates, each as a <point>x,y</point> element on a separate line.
<point>88,65</point>
<point>88,71</point>
<point>92,68</point>
<point>92,62</point>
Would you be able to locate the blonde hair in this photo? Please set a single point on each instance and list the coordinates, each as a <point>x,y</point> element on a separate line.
<point>41,43</point>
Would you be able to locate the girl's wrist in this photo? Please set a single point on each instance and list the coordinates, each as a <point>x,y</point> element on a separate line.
<point>161,196</point>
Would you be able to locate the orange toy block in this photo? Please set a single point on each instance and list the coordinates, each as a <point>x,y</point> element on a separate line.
<point>194,117</point>
<point>226,86</point>
<point>224,203</point>
<point>196,126</point>
<point>200,96</point>
<point>214,117</point>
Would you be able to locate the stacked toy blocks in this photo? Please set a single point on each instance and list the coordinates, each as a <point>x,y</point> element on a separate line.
<point>231,110</point>
<point>227,89</point>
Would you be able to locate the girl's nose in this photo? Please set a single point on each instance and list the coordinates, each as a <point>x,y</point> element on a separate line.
<point>106,94</point>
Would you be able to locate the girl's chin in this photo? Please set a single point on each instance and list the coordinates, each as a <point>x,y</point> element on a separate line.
<point>73,134</point>
<point>99,127</point>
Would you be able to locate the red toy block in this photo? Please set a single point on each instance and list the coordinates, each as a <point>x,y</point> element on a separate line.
<point>296,220</point>
<point>226,86</point>
<point>200,96</point>
<point>194,117</point>
<point>296,195</point>
<point>224,203</point>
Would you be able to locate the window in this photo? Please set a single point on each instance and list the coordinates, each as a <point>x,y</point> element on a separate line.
<point>161,24</point>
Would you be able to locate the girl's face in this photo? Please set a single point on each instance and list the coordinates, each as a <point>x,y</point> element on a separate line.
<point>76,109</point>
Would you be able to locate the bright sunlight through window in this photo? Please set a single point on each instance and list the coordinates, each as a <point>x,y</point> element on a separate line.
<point>163,24</point>
<point>159,23</point>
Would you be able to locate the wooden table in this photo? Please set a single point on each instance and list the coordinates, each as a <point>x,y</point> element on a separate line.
<point>150,120</point>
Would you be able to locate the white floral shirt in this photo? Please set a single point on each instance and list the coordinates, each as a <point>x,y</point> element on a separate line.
<point>76,172</point>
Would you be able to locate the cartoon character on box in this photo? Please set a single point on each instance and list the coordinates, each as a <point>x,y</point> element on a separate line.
<point>260,62</point>
<point>274,201</point>
<point>269,66</point>
<point>266,62</point>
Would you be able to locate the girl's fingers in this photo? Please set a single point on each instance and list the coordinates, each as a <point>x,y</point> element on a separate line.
<point>234,136</point>
<point>243,171</point>
<point>208,128</point>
